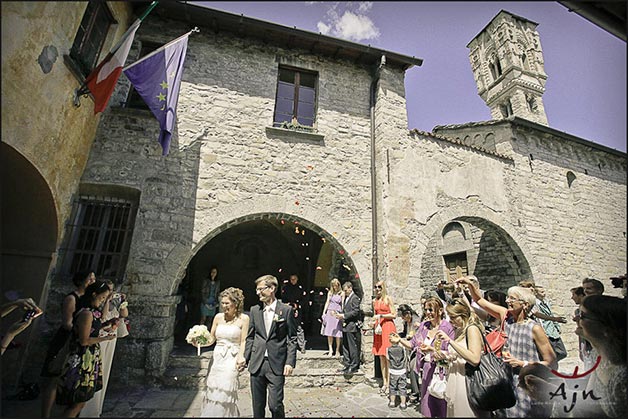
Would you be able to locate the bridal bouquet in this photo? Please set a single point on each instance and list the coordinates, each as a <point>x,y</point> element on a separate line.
<point>199,336</point>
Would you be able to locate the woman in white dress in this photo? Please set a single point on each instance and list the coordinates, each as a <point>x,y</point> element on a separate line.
<point>229,330</point>
<point>465,348</point>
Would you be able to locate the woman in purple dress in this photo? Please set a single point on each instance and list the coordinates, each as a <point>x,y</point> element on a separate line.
<point>332,326</point>
<point>432,350</point>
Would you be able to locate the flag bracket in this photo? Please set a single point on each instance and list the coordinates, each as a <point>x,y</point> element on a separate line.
<point>78,92</point>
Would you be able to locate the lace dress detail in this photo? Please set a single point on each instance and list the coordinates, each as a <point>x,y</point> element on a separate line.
<point>221,396</point>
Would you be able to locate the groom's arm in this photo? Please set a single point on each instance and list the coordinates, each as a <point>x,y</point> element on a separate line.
<point>250,337</point>
<point>292,338</point>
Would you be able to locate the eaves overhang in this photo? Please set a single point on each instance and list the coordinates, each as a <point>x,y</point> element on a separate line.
<point>276,34</point>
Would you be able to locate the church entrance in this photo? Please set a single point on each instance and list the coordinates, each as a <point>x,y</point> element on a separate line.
<point>276,244</point>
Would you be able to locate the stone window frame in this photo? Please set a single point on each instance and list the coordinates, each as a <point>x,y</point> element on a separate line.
<point>99,232</point>
<point>90,38</point>
<point>295,123</point>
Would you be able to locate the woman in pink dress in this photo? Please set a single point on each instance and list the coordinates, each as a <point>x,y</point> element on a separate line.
<point>385,314</point>
<point>332,326</point>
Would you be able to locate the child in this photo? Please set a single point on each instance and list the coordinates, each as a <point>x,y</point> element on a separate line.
<point>398,360</point>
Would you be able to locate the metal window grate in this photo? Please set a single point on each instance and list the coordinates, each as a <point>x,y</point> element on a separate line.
<point>99,232</point>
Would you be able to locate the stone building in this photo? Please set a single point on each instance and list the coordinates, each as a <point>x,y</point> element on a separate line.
<point>347,191</point>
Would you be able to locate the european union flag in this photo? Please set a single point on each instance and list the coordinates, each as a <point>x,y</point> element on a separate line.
<point>157,79</point>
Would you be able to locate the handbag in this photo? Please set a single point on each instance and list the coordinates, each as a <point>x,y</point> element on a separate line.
<point>497,339</point>
<point>438,385</point>
<point>490,383</point>
<point>378,329</point>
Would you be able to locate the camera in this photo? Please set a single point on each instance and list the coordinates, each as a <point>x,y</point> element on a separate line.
<point>31,314</point>
<point>618,281</point>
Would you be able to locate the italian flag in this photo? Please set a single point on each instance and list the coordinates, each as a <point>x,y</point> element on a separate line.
<point>102,80</point>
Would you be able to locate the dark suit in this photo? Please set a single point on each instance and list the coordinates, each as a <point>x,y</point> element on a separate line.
<point>351,332</point>
<point>267,372</point>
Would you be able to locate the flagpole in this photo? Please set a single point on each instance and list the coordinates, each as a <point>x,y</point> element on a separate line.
<point>83,90</point>
<point>161,48</point>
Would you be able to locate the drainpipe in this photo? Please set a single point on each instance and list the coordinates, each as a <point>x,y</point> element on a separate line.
<point>373,100</point>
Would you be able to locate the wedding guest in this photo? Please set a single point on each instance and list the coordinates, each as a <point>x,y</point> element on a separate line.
<point>209,296</point>
<point>115,310</point>
<point>577,295</point>
<point>385,313</point>
<point>602,321</point>
<point>411,323</point>
<point>466,347</point>
<point>29,307</point>
<point>527,342</point>
<point>432,352</point>
<point>52,369</point>
<point>292,293</point>
<point>332,326</point>
<point>591,286</point>
<point>81,375</point>
<point>398,363</point>
<point>350,317</point>
<point>496,297</point>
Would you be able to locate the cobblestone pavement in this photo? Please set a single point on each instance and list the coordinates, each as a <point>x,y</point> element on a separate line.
<point>359,400</point>
<point>362,400</point>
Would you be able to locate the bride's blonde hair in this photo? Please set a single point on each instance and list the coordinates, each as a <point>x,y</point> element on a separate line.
<point>237,298</point>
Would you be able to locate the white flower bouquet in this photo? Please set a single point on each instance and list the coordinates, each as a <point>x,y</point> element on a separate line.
<point>199,336</point>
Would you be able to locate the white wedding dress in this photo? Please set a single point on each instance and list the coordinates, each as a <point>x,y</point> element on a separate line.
<point>221,396</point>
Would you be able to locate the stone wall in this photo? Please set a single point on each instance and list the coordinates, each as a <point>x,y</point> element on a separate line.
<point>41,123</point>
<point>534,222</point>
<point>38,116</point>
<point>226,164</point>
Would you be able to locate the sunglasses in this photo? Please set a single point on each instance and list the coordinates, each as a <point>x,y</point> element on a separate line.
<point>585,316</point>
<point>377,287</point>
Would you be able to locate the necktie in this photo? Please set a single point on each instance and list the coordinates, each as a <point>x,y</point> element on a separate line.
<point>268,318</point>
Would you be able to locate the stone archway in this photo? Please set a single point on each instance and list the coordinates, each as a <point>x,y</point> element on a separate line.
<point>487,252</point>
<point>29,237</point>
<point>425,257</point>
<point>268,243</point>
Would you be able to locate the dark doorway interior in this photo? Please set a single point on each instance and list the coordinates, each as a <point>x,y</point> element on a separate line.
<point>29,237</point>
<point>268,245</point>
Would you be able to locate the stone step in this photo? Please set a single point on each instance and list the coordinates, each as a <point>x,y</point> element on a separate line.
<point>313,370</point>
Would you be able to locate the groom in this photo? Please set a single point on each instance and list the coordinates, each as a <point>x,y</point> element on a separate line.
<point>271,348</point>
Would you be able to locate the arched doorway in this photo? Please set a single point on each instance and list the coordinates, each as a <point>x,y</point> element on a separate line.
<point>277,244</point>
<point>29,237</point>
<point>477,246</point>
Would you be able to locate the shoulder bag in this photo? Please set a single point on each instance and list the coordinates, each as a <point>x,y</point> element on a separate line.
<point>490,383</point>
<point>497,338</point>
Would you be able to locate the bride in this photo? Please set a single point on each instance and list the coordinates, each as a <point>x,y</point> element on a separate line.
<point>229,330</point>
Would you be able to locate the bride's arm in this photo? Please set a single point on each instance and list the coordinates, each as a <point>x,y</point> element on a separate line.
<point>212,332</point>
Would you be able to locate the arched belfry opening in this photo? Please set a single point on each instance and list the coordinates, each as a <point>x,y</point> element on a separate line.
<point>270,243</point>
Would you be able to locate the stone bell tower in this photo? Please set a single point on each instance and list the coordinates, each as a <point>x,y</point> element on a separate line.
<point>507,63</point>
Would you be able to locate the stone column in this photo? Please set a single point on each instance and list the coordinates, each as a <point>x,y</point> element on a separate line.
<point>151,336</point>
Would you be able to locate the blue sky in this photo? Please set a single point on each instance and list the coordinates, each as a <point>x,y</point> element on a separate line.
<point>586,66</point>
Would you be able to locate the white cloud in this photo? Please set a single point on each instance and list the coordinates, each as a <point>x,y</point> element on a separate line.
<point>355,27</point>
<point>323,28</point>
<point>349,21</point>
